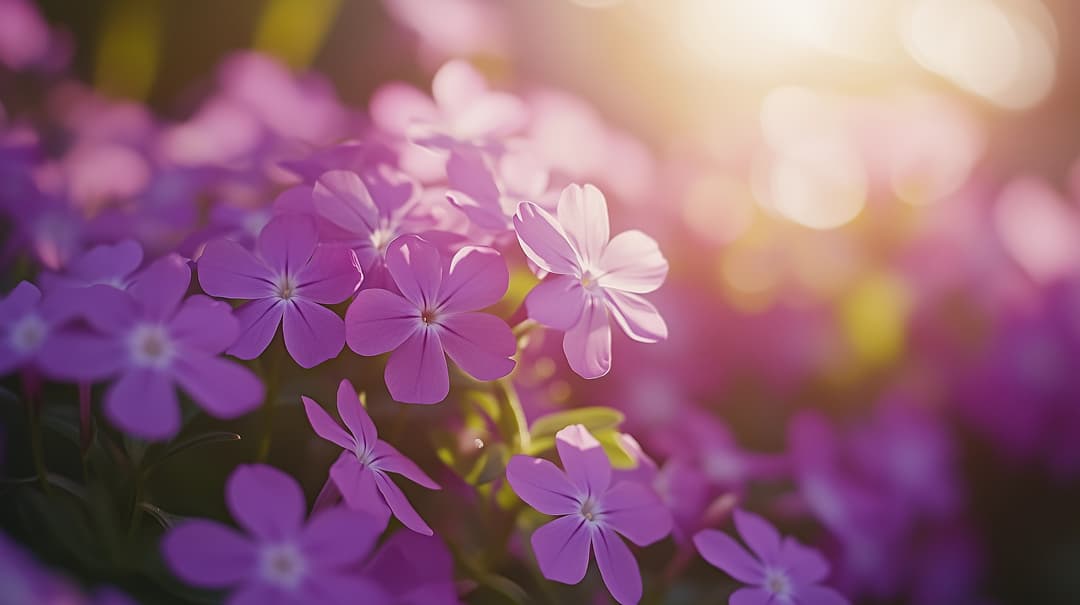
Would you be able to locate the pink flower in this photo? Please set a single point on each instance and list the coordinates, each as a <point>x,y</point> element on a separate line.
<point>489,194</point>
<point>594,276</point>
<point>287,279</point>
<point>593,513</point>
<point>360,473</point>
<point>434,317</point>
<point>778,571</point>
<point>279,558</point>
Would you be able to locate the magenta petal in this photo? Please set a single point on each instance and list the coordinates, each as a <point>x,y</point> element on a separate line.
<point>357,485</point>
<point>632,262</point>
<point>71,355</point>
<point>753,596</point>
<point>583,214</point>
<point>229,270</point>
<point>479,343</point>
<point>397,502</point>
<point>106,308</point>
<point>416,268</point>
<point>819,595</point>
<point>205,325</point>
<point>159,287</point>
<point>324,426</point>
<point>107,262</point>
<point>617,566</point>
<point>342,198</point>
<point>339,537</point>
<point>759,535</point>
<point>143,402</point>
<point>341,588</point>
<point>544,241</point>
<point>265,501</point>
<point>385,457</point>
<point>588,344</point>
<point>562,549</point>
<point>557,302</point>
<point>477,278</point>
<point>635,511</point>
<point>287,242</point>
<point>724,553</point>
<point>542,485</point>
<point>416,372</point>
<point>259,593</point>
<point>636,316</point>
<point>19,301</point>
<point>258,322</point>
<point>584,459</point>
<point>331,275</point>
<point>354,415</point>
<point>207,554</point>
<point>378,321</point>
<point>805,564</point>
<point>313,333</point>
<point>225,389</point>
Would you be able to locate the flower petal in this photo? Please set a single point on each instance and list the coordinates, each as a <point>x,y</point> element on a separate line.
<point>208,554</point>
<point>378,321</point>
<point>341,588</point>
<point>339,537</point>
<point>759,535</point>
<point>753,596</point>
<point>477,278</point>
<point>557,301</point>
<point>416,372</point>
<point>82,356</point>
<point>617,566</point>
<point>491,115</point>
<point>258,321</point>
<point>313,333</point>
<point>542,485</point>
<point>396,105</point>
<point>386,458</point>
<point>724,553</point>
<point>588,344</point>
<point>544,241</point>
<point>357,485</point>
<point>403,510</point>
<point>287,242</point>
<point>331,275</point>
<point>229,270</point>
<point>143,402</point>
<point>159,287</point>
<point>632,262</point>
<point>108,261</point>
<point>820,595</point>
<point>204,325</point>
<point>265,501</point>
<point>342,198</point>
<point>354,415</point>
<point>416,268</point>
<point>225,389</point>
<point>583,214</point>
<point>805,564</point>
<point>19,301</point>
<point>456,85</point>
<point>324,426</point>
<point>479,343</point>
<point>584,459</point>
<point>562,549</point>
<point>636,316</point>
<point>635,511</point>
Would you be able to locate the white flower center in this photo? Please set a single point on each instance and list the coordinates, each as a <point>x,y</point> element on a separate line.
<point>589,511</point>
<point>590,281</point>
<point>777,583</point>
<point>722,467</point>
<point>282,564</point>
<point>151,345</point>
<point>28,334</point>
<point>285,287</point>
<point>381,238</point>
<point>254,222</point>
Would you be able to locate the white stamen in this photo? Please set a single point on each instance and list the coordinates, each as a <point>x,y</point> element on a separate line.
<point>28,334</point>
<point>285,287</point>
<point>777,583</point>
<point>282,564</point>
<point>151,345</point>
<point>381,238</point>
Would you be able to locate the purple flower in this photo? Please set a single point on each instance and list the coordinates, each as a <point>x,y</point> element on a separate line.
<point>433,317</point>
<point>594,276</point>
<point>25,328</point>
<point>107,264</point>
<point>593,513</point>
<point>287,279</point>
<point>489,197</point>
<point>778,571</point>
<point>360,472</point>
<point>154,339</point>
<point>278,559</point>
<point>414,570</point>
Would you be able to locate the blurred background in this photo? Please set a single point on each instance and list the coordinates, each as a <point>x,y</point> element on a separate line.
<point>871,211</point>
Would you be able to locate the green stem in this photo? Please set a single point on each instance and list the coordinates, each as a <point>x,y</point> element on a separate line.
<point>272,378</point>
<point>37,447</point>
<point>511,404</point>
<point>524,328</point>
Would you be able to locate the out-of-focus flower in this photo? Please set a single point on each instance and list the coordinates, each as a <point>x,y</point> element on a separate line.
<point>25,582</point>
<point>594,276</point>
<point>434,316</point>
<point>452,28</point>
<point>489,196</point>
<point>593,513</point>
<point>778,571</point>
<point>279,558</point>
<point>360,472</point>
<point>107,264</point>
<point>414,570</point>
<point>288,278</point>
<point>154,339</point>
<point>27,325</point>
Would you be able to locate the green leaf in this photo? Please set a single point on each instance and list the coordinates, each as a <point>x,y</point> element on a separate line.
<point>163,517</point>
<point>609,440</point>
<point>194,441</point>
<point>595,418</point>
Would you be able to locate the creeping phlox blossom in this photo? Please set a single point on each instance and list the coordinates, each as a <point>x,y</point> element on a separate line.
<point>434,316</point>
<point>107,264</point>
<point>593,511</point>
<point>360,472</point>
<point>26,326</point>
<point>279,559</point>
<point>153,339</point>
<point>593,275</point>
<point>288,278</point>
<point>780,572</point>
